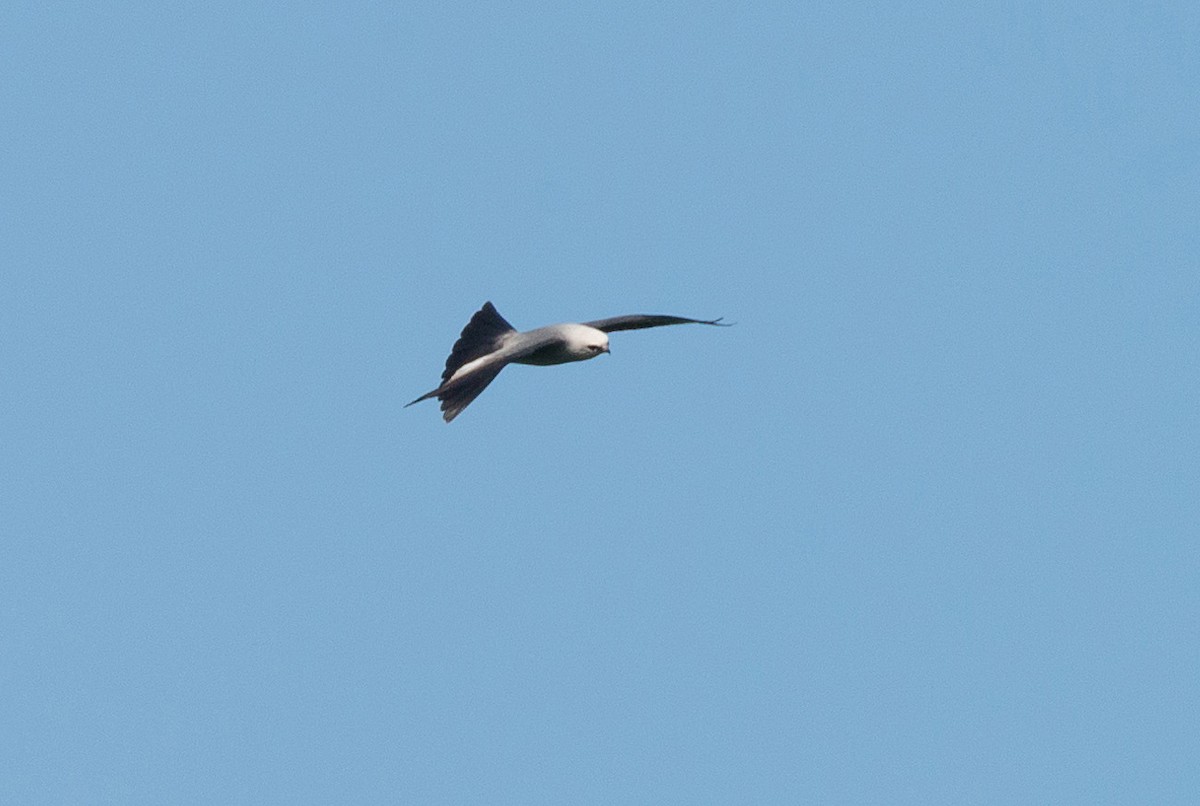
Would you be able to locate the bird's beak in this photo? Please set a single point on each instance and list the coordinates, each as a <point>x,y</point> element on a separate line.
<point>608,350</point>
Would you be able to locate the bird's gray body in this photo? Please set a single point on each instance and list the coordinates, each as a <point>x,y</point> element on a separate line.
<point>560,344</point>
<point>489,343</point>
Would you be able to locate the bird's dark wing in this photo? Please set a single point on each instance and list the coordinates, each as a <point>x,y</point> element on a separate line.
<point>637,321</point>
<point>456,393</point>
<point>482,335</point>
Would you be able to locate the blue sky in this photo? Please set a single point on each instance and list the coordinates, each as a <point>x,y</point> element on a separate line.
<point>920,528</point>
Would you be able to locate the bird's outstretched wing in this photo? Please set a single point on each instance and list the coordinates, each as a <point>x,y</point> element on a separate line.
<point>487,345</point>
<point>484,334</point>
<point>637,321</point>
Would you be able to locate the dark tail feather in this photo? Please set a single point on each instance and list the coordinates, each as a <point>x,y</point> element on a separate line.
<point>425,396</point>
<point>457,398</point>
<point>457,395</point>
<point>481,336</point>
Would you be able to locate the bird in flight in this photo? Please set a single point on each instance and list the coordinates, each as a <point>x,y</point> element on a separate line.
<point>489,343</point>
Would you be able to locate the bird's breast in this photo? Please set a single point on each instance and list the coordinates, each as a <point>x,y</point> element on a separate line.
<point>553,354</point>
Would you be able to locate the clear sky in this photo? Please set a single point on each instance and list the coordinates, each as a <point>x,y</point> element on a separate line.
<point>921,528</point>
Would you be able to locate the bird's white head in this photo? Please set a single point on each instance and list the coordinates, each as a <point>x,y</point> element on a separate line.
<point>583,342</point>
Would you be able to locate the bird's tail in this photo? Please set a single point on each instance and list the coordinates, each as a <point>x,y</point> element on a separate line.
<point>456,395</point>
